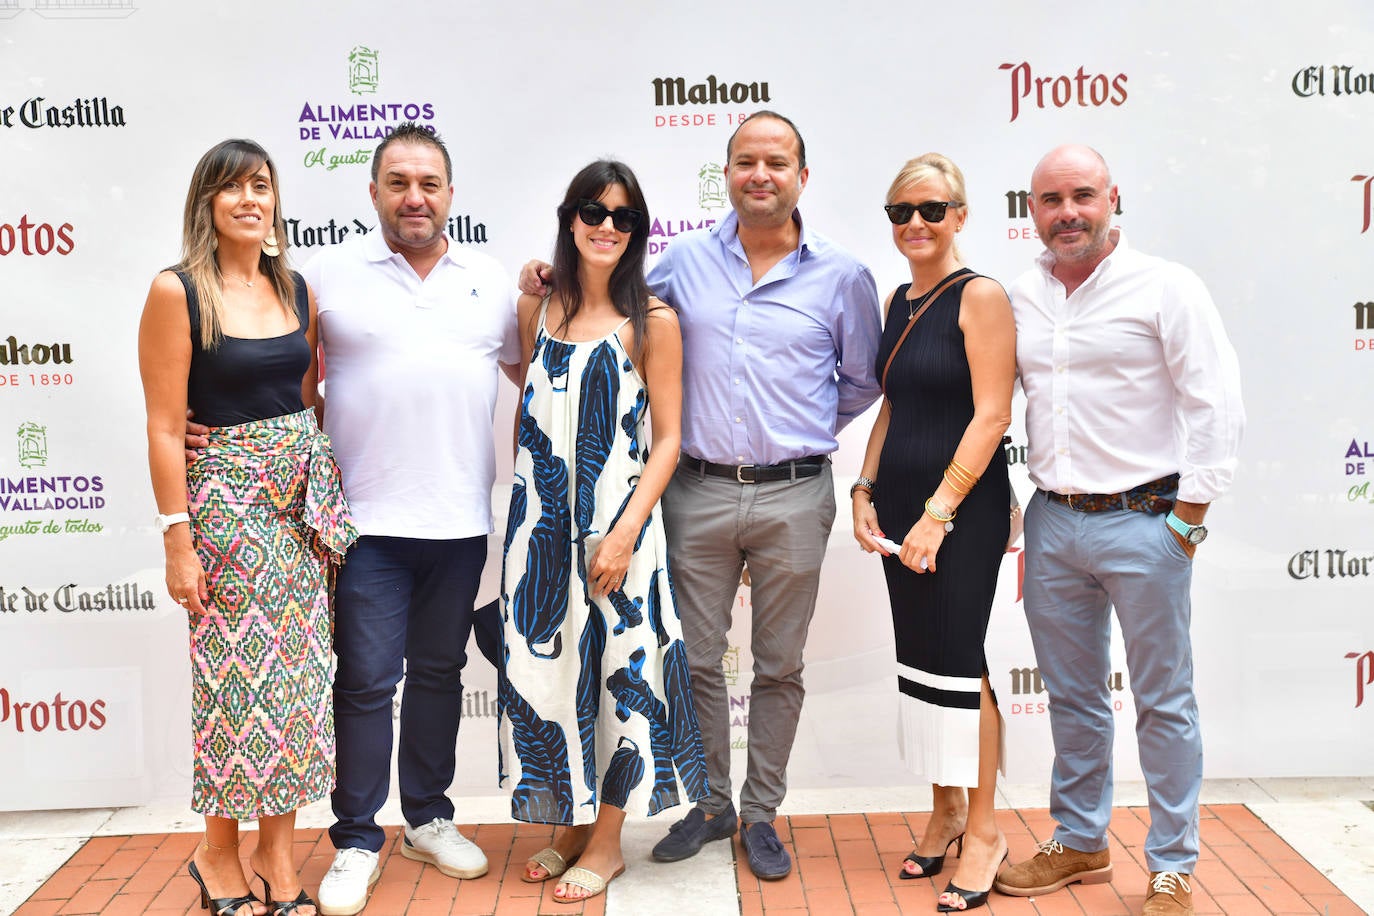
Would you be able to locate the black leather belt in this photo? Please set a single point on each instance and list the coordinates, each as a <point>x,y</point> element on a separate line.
<point>756,473</point>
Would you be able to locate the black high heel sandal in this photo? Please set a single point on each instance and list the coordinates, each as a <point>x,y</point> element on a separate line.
<point>930,865</point>
<point>284,907</point>
<point>219,906</point>
<point>972,899</point>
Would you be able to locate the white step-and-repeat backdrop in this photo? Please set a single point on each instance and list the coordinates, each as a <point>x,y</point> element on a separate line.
<point>1241,140</point>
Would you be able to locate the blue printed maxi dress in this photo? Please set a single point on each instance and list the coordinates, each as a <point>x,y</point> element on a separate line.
<point>595,701</point>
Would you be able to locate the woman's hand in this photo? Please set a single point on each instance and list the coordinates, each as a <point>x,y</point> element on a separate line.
<point>866,524</point>
<point>921,544</point>
<point>606,571</point>
<point>186,579</point>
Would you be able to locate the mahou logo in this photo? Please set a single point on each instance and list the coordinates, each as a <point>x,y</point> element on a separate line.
<point>675,90</point>
<point>1364,321</point>
<point>30,238</point>
<point>59,713</point>
<point>1086,90</point>
<point>1018,211</point>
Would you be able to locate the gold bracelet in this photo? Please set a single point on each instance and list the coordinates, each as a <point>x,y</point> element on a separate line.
<point>964,475</point>
<point>960,467</point>
<point>946,516</point>
<point>954,486</point>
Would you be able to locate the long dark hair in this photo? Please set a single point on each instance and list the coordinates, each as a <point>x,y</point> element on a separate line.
<point>223,162</point>
<point>629,292</point>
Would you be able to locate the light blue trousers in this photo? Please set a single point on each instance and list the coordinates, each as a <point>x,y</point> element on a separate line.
<point>1079,565</point>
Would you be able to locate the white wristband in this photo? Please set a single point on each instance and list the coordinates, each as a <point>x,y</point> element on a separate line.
<point>165,522</point>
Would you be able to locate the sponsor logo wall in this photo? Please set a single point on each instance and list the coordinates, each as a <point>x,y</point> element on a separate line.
<point>104,110</point>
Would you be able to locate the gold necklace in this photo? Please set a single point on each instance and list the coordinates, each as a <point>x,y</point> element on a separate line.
<point>247,283</point>
<point>918,304</point>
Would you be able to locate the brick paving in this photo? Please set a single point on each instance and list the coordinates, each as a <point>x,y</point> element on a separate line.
<point>845,864</point>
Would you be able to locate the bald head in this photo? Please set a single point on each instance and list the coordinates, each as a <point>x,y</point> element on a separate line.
<point>1072,198</point>
<point>1076,157</point>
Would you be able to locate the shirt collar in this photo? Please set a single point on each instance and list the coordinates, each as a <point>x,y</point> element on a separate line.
<point>727,230</point>
<point>1045,260</point>
<point>377,250</point>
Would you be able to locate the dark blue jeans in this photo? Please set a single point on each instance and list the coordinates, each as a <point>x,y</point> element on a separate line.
<point>402,606</point>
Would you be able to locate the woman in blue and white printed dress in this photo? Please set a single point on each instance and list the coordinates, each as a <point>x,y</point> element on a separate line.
<point>596,713</point>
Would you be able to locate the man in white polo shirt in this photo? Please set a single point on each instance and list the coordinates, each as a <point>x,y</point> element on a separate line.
<point>413,329</point>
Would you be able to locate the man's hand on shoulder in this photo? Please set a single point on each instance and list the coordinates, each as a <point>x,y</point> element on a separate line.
<point>536,278</point>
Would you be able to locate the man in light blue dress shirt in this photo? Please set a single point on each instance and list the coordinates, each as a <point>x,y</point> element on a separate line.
<point>780,329</point>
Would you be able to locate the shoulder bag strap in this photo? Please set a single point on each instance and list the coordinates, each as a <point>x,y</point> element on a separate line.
<point>911,322</point>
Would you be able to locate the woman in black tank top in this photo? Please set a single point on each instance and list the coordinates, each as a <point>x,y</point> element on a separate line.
<point>229,333</point>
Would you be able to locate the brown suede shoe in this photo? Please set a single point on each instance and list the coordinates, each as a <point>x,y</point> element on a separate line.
<point>1053,867</point>
<point>1169,894</point>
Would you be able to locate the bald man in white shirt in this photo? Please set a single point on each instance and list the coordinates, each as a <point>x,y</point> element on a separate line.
<point>1134,419</point>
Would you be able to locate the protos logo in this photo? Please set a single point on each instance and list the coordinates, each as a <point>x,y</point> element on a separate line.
<point>1085,90</point>
<point>1367,180</point>
<point>27,237</point>
<point>59,714</point>
<point>1364,674</point>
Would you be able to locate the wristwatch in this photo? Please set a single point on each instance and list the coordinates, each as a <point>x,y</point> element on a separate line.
<point>863,483</point>
<point>1193,534</point>
<point>165,522</point>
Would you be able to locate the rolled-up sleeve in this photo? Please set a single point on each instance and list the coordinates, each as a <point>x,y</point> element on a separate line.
<point>1206,376</point>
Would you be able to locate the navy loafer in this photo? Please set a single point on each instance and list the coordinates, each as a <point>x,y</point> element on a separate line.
<point>687,836</point>
<point>768,859</point>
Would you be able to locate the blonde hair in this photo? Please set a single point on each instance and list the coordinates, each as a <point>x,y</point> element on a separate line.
<point>224,162</point>
<point>925,167</point>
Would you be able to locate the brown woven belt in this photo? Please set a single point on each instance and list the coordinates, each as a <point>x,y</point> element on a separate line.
<point>1155,497</point>
<point>756,473</point>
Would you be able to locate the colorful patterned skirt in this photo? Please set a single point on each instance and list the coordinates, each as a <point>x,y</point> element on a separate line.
<point>268,516</point>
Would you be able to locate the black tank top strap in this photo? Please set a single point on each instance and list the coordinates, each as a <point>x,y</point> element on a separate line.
<point>192,306</point>
<point>302,300</point>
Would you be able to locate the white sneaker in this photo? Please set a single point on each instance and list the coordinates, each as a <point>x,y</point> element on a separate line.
<point>440,844</point>
<point>345,887</point>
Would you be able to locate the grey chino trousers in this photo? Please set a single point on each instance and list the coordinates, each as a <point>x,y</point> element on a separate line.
<point>780,529</point>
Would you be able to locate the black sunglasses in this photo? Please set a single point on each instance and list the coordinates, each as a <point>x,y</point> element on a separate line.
<point>932,211</point>
<point>593,213</point>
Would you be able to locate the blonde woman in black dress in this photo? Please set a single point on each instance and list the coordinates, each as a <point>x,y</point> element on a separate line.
<point>934,481</point>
